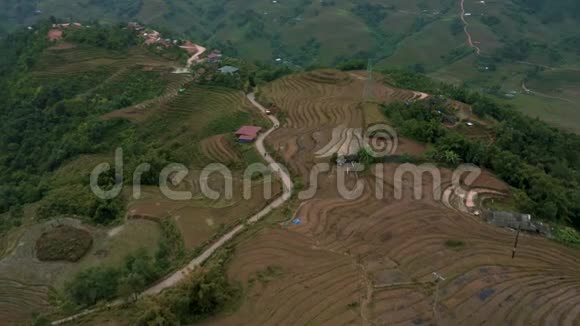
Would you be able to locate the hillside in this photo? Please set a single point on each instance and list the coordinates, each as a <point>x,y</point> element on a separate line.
<point>338,29</point>
<point>513,44</point>
<point>370,260</point>
<point>66,108</point>
<point>313,250</point>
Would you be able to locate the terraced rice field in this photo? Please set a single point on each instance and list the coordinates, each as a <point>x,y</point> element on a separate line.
<point>221,149</point>
<point>141,111</point>
<point>370,260</point>
<point>197,100</point>
<point>81,59</point>
<point>323,110</point>
<point>19,301</point>
<point>25,282</point>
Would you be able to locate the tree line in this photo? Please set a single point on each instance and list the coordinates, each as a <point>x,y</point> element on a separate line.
<point>541,161</point>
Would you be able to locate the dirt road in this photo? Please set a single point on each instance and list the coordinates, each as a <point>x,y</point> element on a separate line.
<point>465,28</point>
<point>529,91</point>
<point>194,58</point>
<point>181,274</point>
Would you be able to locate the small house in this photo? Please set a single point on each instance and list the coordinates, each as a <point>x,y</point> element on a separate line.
<point>228,70</point>
<point>516,221</point>
<point>214,57</point>
<point>248,134</point>
<point>54,35</point>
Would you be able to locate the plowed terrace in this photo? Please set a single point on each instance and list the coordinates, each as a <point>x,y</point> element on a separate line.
<point>371,261</point>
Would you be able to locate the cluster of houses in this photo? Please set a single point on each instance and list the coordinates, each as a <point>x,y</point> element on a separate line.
<point>151,36</point>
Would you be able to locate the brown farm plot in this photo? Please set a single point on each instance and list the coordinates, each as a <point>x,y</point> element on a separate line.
<point>200,218</point>
<point>370,260</point>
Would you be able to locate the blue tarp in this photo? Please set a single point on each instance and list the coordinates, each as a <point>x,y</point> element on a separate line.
<point>296,221</point>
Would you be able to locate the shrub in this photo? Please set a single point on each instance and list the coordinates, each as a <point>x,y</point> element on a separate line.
<point>93,285</point>
<point>454,244</point>
<point>567,235</point>
<point>63,243</point>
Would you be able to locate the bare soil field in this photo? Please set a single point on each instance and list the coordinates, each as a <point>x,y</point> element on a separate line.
<point>370,260</point>
<point>200,218</point>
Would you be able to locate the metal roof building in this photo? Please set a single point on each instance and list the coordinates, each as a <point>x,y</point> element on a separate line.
<point>228,70</point>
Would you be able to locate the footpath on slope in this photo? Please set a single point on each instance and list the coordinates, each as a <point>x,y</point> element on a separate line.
<point>529,91</point>
<point>181,274</point>
<point>465,28</point>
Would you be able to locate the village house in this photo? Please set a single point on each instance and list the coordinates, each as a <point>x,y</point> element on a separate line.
<point>228,70</point>
<point>214,57</point>
<point>248,134</point>
<point>516,221</point>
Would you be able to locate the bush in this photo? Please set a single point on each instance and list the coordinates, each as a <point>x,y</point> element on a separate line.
<point>63,243</point>
<point>567,235</point>
<point>198,297</point>
<point>354,64</point>
<point>93,285</point>
<point>98,283</point>
<point>454,244</point>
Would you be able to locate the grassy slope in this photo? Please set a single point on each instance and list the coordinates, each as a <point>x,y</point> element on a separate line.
<point>413,32</point>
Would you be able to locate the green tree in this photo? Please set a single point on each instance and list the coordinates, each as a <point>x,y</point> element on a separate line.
<point>93,285</point>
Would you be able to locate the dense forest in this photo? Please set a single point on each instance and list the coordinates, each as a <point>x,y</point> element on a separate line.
<point>46,120</point>
<point>270,30</point>
<point>551,10</point>
<point>49,120</point>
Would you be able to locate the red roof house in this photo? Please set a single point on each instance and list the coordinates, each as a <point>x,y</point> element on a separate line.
<point>248,134</point>
<point>54,35</point>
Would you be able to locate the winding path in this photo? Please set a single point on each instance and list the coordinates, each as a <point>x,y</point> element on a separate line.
<point>529,91</point>
<point>181,274</point>
<point>465,28</point>
<point>194,58</point>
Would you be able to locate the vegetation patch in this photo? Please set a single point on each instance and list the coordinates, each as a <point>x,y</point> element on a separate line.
<point>268,274</point>
<point>454,244</point>
<point>567,235</point>
<point>64,243</point>
<point>203,294</point>
<point>540,161</point>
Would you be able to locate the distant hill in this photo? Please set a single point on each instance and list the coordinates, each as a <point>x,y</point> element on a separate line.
<point>518,39</point>
<point>323,32</point>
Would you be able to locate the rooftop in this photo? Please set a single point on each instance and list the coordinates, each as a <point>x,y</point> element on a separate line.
<point>54,35</point>
<point>251,131</point>
<point>228,70</point>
